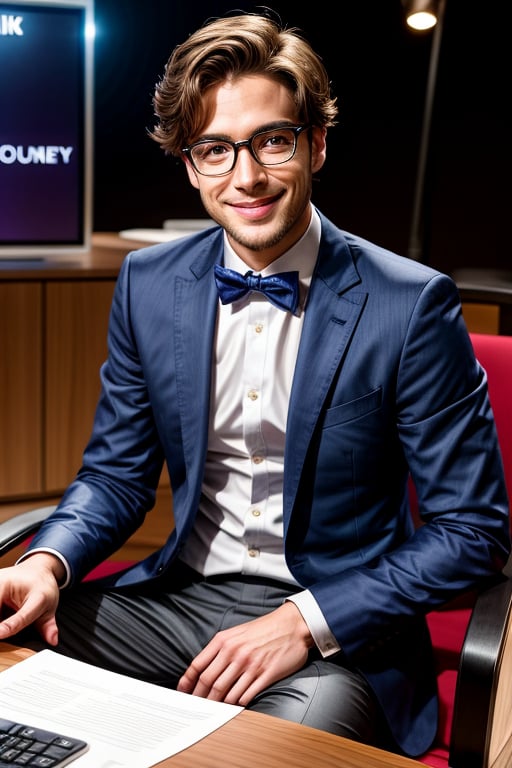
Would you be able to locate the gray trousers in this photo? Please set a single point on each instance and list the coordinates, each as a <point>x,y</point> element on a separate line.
<point>153,631</point>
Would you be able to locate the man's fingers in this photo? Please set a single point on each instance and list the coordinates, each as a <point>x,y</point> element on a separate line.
<point>191,677</point>
<point>30,613</point>
<point>218,681</point>
<point>48,630</point>
<point>24,610</point>
<point>17,621</point>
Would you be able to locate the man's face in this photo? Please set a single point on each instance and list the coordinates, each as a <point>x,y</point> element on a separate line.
<point>264,209</point>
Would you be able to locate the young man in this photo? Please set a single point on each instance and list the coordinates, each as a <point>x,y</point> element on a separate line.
<point>291,376</point>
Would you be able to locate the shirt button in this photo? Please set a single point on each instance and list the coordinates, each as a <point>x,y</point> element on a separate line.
<point>252,394</point>
<point>255,513</point>
<point>253,552</point>
<point>257,459</point>
<point>258,327</point>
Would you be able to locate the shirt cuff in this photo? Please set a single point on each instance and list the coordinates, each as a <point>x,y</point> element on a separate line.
<point>51,552</point>
<point>317,625</point>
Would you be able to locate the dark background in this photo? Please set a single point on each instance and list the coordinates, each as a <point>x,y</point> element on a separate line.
<point>379,73</point>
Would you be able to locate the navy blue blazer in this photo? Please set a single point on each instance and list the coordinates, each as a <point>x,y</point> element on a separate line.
<point>386,384</point>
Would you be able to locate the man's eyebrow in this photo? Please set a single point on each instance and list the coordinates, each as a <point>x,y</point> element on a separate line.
<point>274,125</point>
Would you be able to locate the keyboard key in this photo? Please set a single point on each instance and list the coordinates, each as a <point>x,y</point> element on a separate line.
<point>22,744</point>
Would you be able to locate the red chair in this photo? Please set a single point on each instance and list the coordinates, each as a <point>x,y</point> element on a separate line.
<point>472,637</point>
<point>473,657</point>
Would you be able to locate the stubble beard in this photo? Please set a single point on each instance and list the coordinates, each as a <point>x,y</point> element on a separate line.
<point>256,240</point>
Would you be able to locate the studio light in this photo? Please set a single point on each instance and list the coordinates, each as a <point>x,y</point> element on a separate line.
<point>421,14</point>
<point>436,8</point>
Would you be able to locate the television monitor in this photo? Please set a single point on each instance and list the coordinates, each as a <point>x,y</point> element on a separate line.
<point>46,146</point>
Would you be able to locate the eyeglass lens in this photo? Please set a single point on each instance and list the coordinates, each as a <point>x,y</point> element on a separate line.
<point>268,147</point>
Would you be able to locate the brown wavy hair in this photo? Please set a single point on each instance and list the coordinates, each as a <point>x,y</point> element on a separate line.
<point>227,47</point>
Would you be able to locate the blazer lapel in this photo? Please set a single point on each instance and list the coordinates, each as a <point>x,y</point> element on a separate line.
<point>194,328</point>
<point>330,319</point>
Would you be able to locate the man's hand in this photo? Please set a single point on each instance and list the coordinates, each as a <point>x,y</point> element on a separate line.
<point>240,662</point>
<point>29,594</point>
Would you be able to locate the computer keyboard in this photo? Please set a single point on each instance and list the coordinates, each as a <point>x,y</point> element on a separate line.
<point>24,745</point>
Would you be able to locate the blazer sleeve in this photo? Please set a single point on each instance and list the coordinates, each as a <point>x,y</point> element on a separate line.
<point>446,430</point>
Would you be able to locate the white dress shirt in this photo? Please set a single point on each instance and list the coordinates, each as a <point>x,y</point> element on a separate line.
<point>239,525</point>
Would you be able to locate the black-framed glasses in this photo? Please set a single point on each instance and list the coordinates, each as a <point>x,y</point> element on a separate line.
<point>216,157</point>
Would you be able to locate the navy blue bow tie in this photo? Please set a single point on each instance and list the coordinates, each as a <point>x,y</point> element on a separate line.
<point>281,289</point>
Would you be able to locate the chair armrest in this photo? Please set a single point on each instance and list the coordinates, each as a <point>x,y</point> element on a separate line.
<point>17,528</point>
<point>481,734</point>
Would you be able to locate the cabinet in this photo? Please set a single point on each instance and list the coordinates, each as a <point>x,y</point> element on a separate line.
<point>53,340</point>
<point>21,392</point>
<point>76,319</point>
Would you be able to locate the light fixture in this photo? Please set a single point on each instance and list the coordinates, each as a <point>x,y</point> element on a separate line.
<point>421,14</point>
<point>417,237</point>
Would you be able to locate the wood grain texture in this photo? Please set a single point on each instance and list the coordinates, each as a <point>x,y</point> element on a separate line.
<point>76,346</point>
<point>20,391</point>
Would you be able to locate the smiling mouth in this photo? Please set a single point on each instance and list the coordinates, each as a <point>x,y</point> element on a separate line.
<point>257,205</point>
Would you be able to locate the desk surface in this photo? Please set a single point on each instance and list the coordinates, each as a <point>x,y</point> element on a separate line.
<point>102,261</point>
<point>253,738</point>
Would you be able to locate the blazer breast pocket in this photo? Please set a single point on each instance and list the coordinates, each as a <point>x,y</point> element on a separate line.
<point>357,452</point>
<point>353,409</point>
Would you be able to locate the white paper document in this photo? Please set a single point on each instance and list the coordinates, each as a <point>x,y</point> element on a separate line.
<point>127,723</point>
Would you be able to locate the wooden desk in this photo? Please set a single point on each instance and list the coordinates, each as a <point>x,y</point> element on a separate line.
<point>253,738</point>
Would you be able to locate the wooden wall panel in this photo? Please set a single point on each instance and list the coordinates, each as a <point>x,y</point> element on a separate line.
<point>76,346</point>
<point>481,318</point>
<point>20,388</point>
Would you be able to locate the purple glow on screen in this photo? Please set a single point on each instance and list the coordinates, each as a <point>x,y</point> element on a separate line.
<point>42,86</point>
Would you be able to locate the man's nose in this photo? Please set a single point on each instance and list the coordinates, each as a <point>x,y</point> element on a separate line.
<point>246,166</point>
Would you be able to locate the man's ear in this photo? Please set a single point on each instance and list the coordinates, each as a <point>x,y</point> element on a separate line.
<point>192,175</point>
<point>318,148</point>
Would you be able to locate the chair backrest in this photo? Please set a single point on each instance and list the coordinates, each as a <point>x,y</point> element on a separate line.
<point>495,355</point>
